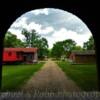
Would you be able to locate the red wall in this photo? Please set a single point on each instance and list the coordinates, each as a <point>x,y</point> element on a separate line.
<point>12,57</point>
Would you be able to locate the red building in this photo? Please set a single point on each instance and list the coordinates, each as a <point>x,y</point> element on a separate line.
<point>27,55</point>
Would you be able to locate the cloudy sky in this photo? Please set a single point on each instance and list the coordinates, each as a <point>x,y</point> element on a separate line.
<point>53,24</point>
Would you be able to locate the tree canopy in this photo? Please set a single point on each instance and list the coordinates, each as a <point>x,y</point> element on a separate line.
<point>63,48</point>
<point>89,45</point>
<point>12,41</point>
<point>32,39</point>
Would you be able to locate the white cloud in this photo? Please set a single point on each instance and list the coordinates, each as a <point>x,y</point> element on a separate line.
<point>47,30</point>
<point>23,24</point>
<point>39,29</point>
<point>40,11</point>
<point>51,41</point>
<point>64,34</point>
<point>17,33</point>
<point>35,26</point>
<point>20,22</point>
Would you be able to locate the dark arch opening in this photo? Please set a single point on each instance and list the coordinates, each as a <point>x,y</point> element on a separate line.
<point>76,8</point>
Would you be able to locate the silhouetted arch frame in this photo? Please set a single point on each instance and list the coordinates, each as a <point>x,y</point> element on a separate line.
<point>15,9</point>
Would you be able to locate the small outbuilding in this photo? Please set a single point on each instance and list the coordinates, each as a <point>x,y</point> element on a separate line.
<point>83,57</point>
<point>26,55</point>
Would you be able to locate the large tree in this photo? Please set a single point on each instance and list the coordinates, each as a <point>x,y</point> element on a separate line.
<point>32,39</point>
<point>57,50</point>
<point>11,40</point>
<point>89,45</point>
<point>69,45</point>
<point>63,48</point>
<point>43,47</point>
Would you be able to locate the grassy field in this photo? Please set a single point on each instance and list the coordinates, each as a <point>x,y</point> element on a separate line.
<point>13,76</point>
<point>85,76</point>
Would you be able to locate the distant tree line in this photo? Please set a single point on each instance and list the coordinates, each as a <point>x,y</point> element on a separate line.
<point>64,48</point>
<point>59,49</point>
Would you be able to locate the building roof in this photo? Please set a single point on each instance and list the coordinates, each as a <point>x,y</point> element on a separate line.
<point>87,52</point>
<point>21,49</point>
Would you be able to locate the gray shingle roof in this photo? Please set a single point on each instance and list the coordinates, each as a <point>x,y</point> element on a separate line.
<point>87,52</point>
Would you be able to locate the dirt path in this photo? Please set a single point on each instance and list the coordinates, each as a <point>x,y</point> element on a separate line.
<point>50,78</point>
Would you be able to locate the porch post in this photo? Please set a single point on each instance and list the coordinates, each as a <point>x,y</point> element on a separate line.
<point>35,57</point>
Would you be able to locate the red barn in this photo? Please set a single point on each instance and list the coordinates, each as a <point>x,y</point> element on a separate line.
<point>28,55</point>
<point>83,57</point>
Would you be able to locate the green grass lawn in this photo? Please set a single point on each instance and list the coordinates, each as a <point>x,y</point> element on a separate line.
<point>85,76</point>
<point>13,76</point>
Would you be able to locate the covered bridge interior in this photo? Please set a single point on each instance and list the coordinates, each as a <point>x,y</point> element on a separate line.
<point>14,9</point>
